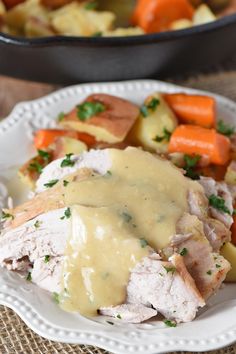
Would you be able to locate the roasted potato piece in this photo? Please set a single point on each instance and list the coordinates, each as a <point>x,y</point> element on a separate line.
<point>229,252</point>
<point>35,27</point>
<point>65,145</point>
<point>54,4</point>
<point>181,24</point>
<point>30,171</point>
<point>107,118</point>
<point>203,14</point>
<point>17,16</point>
<point>153,130</point>
<point>230,176</point>
<point>122,32</point>
<point>75,20</point>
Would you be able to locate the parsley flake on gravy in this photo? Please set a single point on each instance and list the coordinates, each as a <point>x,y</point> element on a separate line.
<point>143,242</point>
<point>218,203</point>
<point>209,272</point>
<point>65,183</point>
<point>67,162</point>
<point>165,137</point>
<point>87,110</point>
<point>51,183</point>
<point>224,128</point>
<point>126,217</point>
<point>170,323</point>
<point>67,214</point>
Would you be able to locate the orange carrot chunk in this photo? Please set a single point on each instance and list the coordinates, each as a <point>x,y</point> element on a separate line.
<point>157,15</point>
<point>192,109</point>
<point>194,140</point>
<point>45,137</point>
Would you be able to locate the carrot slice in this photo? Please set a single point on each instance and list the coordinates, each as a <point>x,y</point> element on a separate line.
<point>192,140</point>
<point>192,109</point>
<point>157,15</point>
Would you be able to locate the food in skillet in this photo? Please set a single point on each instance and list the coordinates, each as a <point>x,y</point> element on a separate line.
<point>40,18</point>
<point>121,231</point>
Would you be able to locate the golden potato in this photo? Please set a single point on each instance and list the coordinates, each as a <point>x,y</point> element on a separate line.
<point>229,252</point>
<point>153,130</point>
<point>120,32</point>
<point>35,27</point>
<point>75,20</point>
<point>108,118</point>
<point>65,145</point>
<point>18,15</point>
<point>203,14</point>
<point>230,176</point>
<point>181,24</point>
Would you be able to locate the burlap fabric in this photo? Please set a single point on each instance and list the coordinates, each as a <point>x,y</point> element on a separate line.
<point>15,336</point>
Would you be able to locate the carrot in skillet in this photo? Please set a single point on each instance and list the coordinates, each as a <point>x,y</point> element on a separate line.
<point>11,3</point>
<point>157,15</point>
<point>195,140</point>
<point>193,109</point>
<point>44,137</point>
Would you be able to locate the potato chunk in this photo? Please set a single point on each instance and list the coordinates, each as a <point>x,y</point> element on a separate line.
<point>65,145</point>
<point>153,130</point>
<point>110,125</point>
<point>228,251</point>
<point>76,20</point>
<point>230,176</point>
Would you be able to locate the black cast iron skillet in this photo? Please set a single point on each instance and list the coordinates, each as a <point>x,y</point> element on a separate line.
<point>69,60</point>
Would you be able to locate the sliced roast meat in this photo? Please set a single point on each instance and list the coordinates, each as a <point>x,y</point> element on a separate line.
<point>165,286</point>
<point>216,232</point>
<point>47,272</point>
<point>207,268</point>
<point>133,313</point>
<point>44,235</point>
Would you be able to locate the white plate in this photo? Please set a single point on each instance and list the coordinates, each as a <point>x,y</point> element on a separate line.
<point>215,325</point>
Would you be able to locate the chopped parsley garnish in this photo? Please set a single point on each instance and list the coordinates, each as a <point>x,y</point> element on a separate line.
<point>170,323</point>
<point>37,224</point>
<point>44,154</point>
<point>126,217</point>
<point>61,116</point>
<point>6,215</point>
<point>183,252</point>
<point>143,242</point>
<point>51,183</point>
<point>46,259</point>
<point>218,265</point>
<point>209,272</point>
<point>92,5</point>
<point>65,183</point>
<point>224,128</point>
<point>151,106</point>
<point>36,166</point>
<point>170,269</point>
<point>97,34</point>
<point>190,164</point>
<point>111,323</point>
<point>166,136</point>
<point>108,173</point>
<point>67,162</point>
<point>55,297</point>
<point>218,203</point>
<point>29,277</point>
<point>119,316</point>
<point>67,214</point>
<point>87,110</point>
